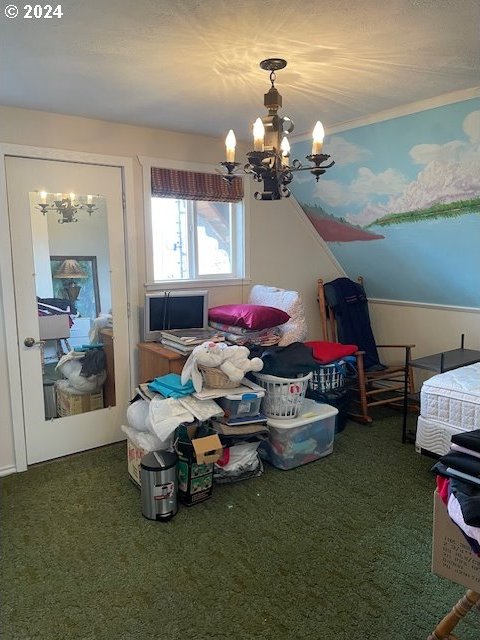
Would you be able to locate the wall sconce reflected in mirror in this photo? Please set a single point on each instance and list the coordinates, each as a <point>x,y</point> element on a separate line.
<point>66,205</point>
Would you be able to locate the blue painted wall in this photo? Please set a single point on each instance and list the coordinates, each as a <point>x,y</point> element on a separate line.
<point>424,166</point>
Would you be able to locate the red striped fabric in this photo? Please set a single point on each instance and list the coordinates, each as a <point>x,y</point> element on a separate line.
<point>194,185</point>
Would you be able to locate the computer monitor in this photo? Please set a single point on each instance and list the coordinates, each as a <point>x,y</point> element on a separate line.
<point>174,310</point>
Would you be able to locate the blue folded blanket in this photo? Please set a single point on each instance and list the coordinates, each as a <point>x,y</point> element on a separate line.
<point>171,386</point>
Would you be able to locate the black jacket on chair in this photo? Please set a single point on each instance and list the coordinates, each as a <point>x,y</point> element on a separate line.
<point>350,304</point>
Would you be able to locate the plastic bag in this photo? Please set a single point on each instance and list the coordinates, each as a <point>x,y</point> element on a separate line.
<point>137,415</point>
<point>147,441</point>
<point>71,367</point>
<point>243,463</point>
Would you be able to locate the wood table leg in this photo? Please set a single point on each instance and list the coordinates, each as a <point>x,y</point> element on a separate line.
<point>444,628</point>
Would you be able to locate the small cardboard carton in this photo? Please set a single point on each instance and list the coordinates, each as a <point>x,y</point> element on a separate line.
<point>70,402</point>
<point>134,457</point>
<point>54,327</point>
<point>452,556</point>
<point>196,457</point>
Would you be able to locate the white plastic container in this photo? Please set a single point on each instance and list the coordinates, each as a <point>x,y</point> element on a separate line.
<point>241,405</point>
<point>300,440</point>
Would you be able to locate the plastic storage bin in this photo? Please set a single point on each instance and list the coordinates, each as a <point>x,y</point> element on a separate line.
<point>338,398</point>
<point>283,396</point>
<point>300,440</point>
<point>241,405</point>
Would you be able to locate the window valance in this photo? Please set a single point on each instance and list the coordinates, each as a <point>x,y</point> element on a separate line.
<point>194,185</point>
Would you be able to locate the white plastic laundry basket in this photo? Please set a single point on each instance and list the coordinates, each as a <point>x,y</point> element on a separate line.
<point>283,396</point>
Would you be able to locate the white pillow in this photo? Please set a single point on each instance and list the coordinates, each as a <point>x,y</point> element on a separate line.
<point>295,330</point>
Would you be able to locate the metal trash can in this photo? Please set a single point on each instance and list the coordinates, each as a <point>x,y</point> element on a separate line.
<point>49,399</point>
<point>158,472</point>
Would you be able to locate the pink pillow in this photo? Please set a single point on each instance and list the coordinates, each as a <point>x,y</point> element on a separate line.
<point>248,316</point>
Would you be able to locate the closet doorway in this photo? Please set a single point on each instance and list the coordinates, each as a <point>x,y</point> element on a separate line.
<point>69,275</point>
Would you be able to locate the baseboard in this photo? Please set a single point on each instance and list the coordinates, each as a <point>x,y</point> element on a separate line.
<point>6,471</point>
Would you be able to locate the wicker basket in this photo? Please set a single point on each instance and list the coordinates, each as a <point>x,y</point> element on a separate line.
<point>214,378</point>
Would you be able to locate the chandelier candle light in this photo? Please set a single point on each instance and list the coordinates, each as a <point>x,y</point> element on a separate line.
<point>65,206</point>
<point>269,162</point>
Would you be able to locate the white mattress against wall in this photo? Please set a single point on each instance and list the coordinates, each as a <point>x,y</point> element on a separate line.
<point>453,398</point>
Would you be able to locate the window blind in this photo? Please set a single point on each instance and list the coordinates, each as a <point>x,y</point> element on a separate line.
<point>194,185</point>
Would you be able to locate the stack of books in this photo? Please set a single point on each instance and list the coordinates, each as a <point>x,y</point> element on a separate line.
<point>184,341</point>
<point>242,426</point>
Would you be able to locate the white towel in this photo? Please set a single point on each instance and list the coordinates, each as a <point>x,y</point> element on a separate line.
<point>166,414</point>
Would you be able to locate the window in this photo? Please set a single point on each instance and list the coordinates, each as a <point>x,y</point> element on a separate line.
<point>197,227</point>
<point>195,239</point>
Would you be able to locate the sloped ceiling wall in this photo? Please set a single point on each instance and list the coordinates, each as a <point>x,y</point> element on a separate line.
<point>401,206</point>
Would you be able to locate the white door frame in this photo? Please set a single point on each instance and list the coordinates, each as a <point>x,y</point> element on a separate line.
<point>125,164</point>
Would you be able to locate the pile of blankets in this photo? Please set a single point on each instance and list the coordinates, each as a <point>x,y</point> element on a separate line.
<point>159,407</point>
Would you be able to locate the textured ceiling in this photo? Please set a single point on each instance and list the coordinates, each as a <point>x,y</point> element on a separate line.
<point>193,65</point>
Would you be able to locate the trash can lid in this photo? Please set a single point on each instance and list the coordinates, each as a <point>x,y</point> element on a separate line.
<point>158,460</point>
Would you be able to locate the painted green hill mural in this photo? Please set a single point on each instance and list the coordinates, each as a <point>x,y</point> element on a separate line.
<point>401,205</point>
<point>435,212</point>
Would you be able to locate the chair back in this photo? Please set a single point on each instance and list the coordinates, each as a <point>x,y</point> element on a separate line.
<point>345,318</point>
<point>327,315</point>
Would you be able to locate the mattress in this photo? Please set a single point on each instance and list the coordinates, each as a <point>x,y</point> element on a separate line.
<point>449,404</point>
<point>453,398</point>
<point>434,436</point>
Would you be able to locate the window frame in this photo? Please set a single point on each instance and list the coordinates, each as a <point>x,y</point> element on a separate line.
<point>240,232</point>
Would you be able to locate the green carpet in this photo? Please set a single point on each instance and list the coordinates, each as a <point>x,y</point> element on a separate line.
<point>339,549</point>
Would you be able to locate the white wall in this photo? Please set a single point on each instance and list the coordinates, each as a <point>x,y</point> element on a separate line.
<point>430,329</point>
<point>286,251</point>
<point>41,250</point>
<point>283,249</point>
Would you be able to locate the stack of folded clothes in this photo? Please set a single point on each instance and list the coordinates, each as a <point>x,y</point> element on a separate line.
<point>458,483</point>
<point>248,324</point>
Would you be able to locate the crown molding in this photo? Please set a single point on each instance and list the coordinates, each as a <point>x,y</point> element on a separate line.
<point>397,112</point>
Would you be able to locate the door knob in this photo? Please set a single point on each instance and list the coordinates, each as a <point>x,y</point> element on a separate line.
<point>30,342</point>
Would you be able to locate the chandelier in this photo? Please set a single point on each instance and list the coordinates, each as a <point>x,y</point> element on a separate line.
<point>66,206</point>
<point>269,162</point>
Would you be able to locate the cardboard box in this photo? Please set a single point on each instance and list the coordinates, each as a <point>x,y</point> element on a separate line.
<point>134,457</point>
<point>70,402</point>
<point>54,327</point>
<point>196,457</point>
<point>452,557</point>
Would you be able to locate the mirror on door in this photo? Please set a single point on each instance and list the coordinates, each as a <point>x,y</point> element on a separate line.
<point>73,288</point>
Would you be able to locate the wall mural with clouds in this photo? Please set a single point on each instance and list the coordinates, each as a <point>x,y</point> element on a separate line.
<point>401,206</point>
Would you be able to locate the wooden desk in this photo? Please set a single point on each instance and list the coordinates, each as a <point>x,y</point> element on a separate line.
<point>155,360</point>
<point>106,336</point>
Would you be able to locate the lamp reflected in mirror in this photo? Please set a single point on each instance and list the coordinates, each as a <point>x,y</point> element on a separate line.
<point>70,271</point>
